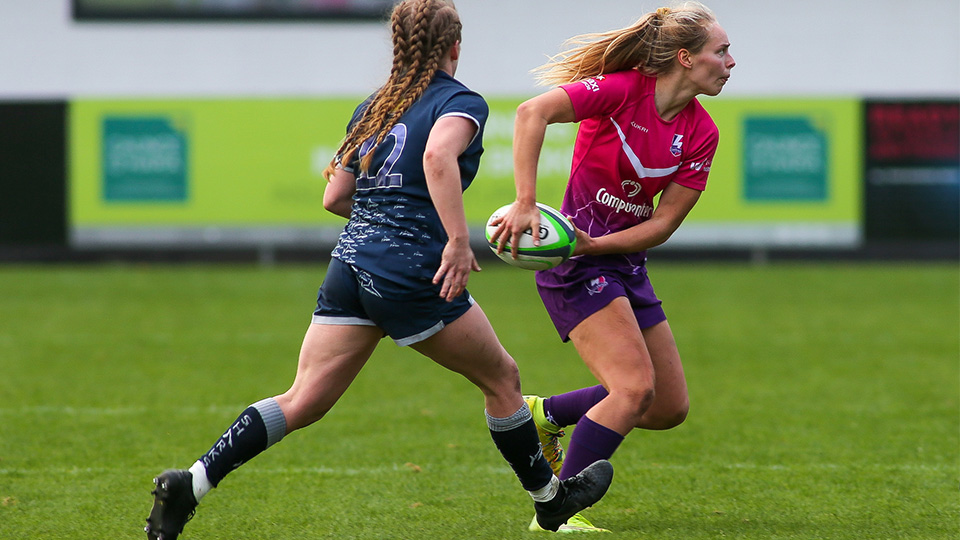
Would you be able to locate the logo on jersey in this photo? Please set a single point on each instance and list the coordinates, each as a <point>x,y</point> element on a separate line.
<point>597,285</point>
<point>701,166</point>
<point>630,188</point>
<point>592,83</point>
<point>643,172</point>
<point>642,210</point>
<point>677,145</point>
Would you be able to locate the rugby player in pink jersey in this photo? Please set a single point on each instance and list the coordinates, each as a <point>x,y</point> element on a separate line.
<point>642,133</point>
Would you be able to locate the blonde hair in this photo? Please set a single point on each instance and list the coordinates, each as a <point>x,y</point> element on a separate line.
<point>423,32</point>
<point>650,44</point>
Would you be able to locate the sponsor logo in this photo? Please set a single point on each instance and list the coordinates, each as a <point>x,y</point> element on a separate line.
<point>620,205</point>
<point>592,83</point>
<point>630,187</point>
<point>638,126</point>
<point>701,166</point>
<point>677,145</point>
<point>597,285</point>
<point>366,281</point>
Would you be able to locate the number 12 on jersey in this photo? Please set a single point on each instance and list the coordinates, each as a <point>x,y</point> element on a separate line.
<point>385,177</point>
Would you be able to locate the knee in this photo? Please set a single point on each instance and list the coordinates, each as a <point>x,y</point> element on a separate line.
<point>509,378</point>
<point>667,418</point>
<point>634,400</point>
<point>300,411</point>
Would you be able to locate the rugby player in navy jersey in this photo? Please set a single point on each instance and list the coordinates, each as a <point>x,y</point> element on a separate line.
<point>399,269</point>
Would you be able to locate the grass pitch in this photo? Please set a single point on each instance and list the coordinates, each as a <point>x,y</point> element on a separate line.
<point>825,404</point>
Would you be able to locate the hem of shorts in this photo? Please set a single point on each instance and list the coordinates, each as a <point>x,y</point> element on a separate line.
<point>429,332</point>
<point>416,338</point>
<point>345,321</point>
<point>565,335</point>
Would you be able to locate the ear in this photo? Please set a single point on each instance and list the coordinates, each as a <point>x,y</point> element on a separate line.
<point>455,51</point>
<point>685,58</point>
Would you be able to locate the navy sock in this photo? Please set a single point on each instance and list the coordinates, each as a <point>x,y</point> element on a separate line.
<point>257,428</point>
<point>516,438</point>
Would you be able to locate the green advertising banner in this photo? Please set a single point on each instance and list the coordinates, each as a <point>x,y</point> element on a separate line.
<point>248,172</point>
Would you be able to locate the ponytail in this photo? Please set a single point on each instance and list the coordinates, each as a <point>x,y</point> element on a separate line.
<point>650,44</point>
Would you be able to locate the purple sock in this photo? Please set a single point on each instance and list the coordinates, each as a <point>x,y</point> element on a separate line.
<point>590,441</point>
<point>567,409</point>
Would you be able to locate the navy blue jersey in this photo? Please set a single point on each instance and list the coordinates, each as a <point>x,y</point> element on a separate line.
<point>394,231</point>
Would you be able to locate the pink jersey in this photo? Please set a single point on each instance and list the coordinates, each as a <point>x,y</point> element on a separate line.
<point>625,154</point>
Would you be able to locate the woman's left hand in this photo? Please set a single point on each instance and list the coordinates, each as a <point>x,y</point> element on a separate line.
<point>584,243</point>
<point>456,263</point>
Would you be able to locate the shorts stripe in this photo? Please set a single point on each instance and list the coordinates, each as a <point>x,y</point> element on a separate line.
<point>410,340</point>
<point>346,321</point>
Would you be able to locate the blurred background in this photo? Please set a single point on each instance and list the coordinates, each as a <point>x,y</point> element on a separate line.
<point>198,128</point>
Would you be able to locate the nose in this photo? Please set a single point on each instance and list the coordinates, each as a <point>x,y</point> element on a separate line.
<point>730,61</point>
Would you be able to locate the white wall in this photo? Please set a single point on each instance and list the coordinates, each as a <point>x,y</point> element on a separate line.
<point>870,48</point>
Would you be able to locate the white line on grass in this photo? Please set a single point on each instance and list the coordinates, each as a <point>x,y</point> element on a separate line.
<point>406,469</point>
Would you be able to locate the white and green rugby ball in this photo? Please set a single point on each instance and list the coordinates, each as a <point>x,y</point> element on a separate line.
<point>558,239</point>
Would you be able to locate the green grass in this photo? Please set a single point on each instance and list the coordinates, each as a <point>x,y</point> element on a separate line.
<point>825,404</point>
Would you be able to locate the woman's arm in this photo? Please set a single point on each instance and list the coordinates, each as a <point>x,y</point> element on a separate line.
<point>533,117</point>
<point>675,203</point>
<point>448,138</point>
<point>338,195</point>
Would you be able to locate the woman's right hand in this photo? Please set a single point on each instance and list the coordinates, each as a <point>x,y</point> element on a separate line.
<point>517,221</point>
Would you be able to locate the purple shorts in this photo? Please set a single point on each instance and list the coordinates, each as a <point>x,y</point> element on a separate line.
<point>572,292</point>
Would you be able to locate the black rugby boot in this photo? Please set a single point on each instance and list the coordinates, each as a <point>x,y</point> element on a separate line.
<point>173,505</point>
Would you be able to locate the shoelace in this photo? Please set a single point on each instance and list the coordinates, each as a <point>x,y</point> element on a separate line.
<point>555,442</point>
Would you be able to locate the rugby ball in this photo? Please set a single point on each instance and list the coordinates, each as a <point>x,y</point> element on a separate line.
<point>558,239</point>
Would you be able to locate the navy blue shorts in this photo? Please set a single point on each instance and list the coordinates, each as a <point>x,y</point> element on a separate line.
<point>582,290</point>
<point>351,296</point>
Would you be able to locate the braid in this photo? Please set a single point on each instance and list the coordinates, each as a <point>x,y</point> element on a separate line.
<point>423,31</point>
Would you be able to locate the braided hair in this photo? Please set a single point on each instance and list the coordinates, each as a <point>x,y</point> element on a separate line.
<point>650,44</point>
<point>423,32</point>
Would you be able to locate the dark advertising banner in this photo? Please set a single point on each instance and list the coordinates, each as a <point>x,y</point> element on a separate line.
<point>32,173</point>
<point>912,170</point>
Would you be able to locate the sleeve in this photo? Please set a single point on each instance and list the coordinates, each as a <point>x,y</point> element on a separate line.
<point>601,95</point>
<point>695,166</point>
<point>468,105</point>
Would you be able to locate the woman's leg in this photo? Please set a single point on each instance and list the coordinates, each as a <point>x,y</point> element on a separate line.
<point>470,346</point>
<point>670,402</point>
<point>330,358</point>
<point>612,346</point>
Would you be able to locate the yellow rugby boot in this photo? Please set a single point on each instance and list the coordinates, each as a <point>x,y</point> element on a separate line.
<point>548,432</point>
<point>576,524</point>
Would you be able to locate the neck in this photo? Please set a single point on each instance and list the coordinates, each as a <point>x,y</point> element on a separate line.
<point>449,67</point>
<point>672,95</point>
